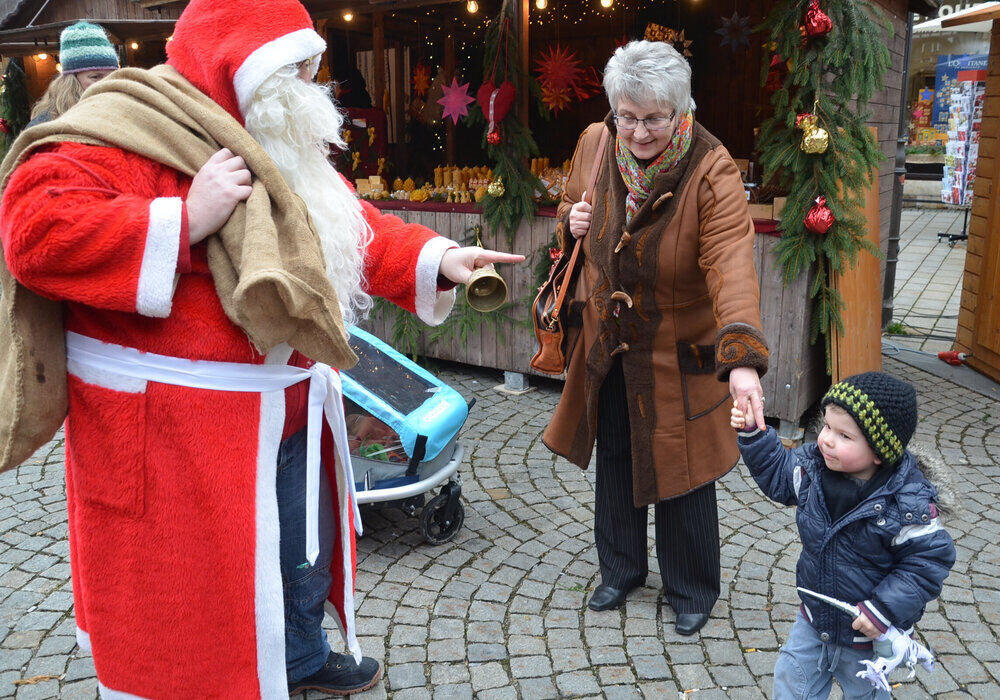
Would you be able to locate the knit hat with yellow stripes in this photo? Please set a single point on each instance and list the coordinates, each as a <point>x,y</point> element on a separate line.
<point>885,409</point>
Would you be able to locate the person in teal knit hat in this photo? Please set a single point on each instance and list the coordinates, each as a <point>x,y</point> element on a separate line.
<point>86,56</point>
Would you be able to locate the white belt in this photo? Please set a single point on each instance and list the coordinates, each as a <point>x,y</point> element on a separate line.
<point>325,399</point>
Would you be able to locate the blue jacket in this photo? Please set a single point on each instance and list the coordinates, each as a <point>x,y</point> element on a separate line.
<point>890,553</point>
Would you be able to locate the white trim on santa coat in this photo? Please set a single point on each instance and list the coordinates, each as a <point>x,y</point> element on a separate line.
<point>109,694</point>
<point>83,640</point>
<point>269,601</point>
<point>432,306</point>
<point>348,512</point>
<point>266,60</point>
<point>155,293</point>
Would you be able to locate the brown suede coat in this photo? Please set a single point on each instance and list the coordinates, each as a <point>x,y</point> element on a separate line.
<point>685,263</point>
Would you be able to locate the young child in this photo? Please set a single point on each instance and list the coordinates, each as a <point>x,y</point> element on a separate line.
<point>869,528</point>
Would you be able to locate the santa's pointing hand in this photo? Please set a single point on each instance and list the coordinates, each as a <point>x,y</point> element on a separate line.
<point>458,264</point>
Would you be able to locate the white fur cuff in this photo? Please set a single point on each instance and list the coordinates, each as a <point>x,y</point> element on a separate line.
<point>155,293</point>
<point>431,305</point>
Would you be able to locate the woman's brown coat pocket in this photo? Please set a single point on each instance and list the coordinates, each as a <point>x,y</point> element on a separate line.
<point>703,392</point>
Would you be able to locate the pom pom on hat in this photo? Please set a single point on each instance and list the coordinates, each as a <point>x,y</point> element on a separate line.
<point>884,408</point>
<point>84,46</point>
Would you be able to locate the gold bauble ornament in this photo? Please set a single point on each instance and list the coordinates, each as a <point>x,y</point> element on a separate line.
<point>496,188</point>
<point>815,141</point>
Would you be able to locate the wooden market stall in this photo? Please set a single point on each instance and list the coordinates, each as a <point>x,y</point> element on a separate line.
<point>731,103</point>
<point>978,332</point>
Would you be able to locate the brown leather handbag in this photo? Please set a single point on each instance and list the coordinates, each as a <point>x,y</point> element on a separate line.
<point>550,309</point>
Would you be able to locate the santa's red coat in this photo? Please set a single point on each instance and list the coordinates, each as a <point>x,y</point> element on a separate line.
<point>171,490</point>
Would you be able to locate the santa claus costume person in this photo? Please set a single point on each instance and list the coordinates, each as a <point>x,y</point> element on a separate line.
<point>205,539</point>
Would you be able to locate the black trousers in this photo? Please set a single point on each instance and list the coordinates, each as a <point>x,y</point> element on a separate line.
<point>687,527</point>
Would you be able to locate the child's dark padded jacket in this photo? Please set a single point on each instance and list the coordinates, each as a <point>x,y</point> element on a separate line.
<point>890,553</point>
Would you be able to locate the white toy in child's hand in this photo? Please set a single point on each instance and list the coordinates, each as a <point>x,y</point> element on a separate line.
<point>905,650</point>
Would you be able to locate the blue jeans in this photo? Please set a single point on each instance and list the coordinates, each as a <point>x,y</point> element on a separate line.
<point>305,587</point>
<point>806,667</point>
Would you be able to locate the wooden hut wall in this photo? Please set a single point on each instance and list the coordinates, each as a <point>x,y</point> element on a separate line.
<point>978,312</point>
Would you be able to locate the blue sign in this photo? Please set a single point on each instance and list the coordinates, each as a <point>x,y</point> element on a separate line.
<point>948,67</point>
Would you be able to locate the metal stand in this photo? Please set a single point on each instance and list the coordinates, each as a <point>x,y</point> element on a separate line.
<point>953,237</point>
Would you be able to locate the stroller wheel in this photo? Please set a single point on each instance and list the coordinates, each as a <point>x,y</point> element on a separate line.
<point>436,528</point>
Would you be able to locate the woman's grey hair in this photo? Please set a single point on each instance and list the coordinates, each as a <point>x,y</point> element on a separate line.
<point>646,72</point>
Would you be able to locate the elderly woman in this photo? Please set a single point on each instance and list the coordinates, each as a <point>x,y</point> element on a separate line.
<point>670,312</point>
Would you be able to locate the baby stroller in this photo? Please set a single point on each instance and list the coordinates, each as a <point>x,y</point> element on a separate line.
<point>402,425</point>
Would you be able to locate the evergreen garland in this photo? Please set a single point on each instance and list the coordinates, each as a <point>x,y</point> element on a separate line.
<point>510,156</point>
<point>834,77</point>
<point>13,102</point>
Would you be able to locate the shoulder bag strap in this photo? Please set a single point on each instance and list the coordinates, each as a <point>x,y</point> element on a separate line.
<point>576,248</point>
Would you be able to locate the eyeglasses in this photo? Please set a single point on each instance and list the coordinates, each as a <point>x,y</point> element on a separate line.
<point>651,123</point>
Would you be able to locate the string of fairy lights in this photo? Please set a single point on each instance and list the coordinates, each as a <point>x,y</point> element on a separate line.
<point>44,56</point>
<point>543,12</point>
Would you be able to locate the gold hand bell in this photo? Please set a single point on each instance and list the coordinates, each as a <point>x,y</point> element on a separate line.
<point>486,290</point>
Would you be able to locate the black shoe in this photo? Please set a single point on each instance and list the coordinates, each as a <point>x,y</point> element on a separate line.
<point>607,598</point>
<point>689,623</point>
<point>341,675</point>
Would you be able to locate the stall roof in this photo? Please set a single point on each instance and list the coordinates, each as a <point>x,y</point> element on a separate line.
<point>28,39</point>
<point>939,24</point>
<point>985,13</point>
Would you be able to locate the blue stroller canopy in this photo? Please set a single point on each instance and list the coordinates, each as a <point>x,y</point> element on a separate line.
<point>403,395</point>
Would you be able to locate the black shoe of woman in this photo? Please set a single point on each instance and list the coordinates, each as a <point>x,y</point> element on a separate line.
<point>607,597</point>
<point>689,623</point>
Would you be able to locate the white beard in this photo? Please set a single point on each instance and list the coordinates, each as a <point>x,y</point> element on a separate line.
<point>295,122</point>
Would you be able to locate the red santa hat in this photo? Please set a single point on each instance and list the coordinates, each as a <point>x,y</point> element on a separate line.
<point>227,49</point>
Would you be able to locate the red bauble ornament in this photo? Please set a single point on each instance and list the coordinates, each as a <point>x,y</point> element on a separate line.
<point>555,254</point>
<point>4,125</point>
<point>493,138</point>
<point>820,218</point>
<point>817,22</point>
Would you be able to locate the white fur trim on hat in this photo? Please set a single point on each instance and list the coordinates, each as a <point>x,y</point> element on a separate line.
<point>262,63</point>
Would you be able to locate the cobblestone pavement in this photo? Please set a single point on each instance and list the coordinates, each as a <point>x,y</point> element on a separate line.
<point>499,612</point>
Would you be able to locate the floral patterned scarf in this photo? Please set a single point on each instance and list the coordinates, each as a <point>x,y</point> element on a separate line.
<point>639,180</point>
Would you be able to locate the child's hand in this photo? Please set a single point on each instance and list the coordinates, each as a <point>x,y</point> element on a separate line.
<point>863,625</point>
<point>738,420</point>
